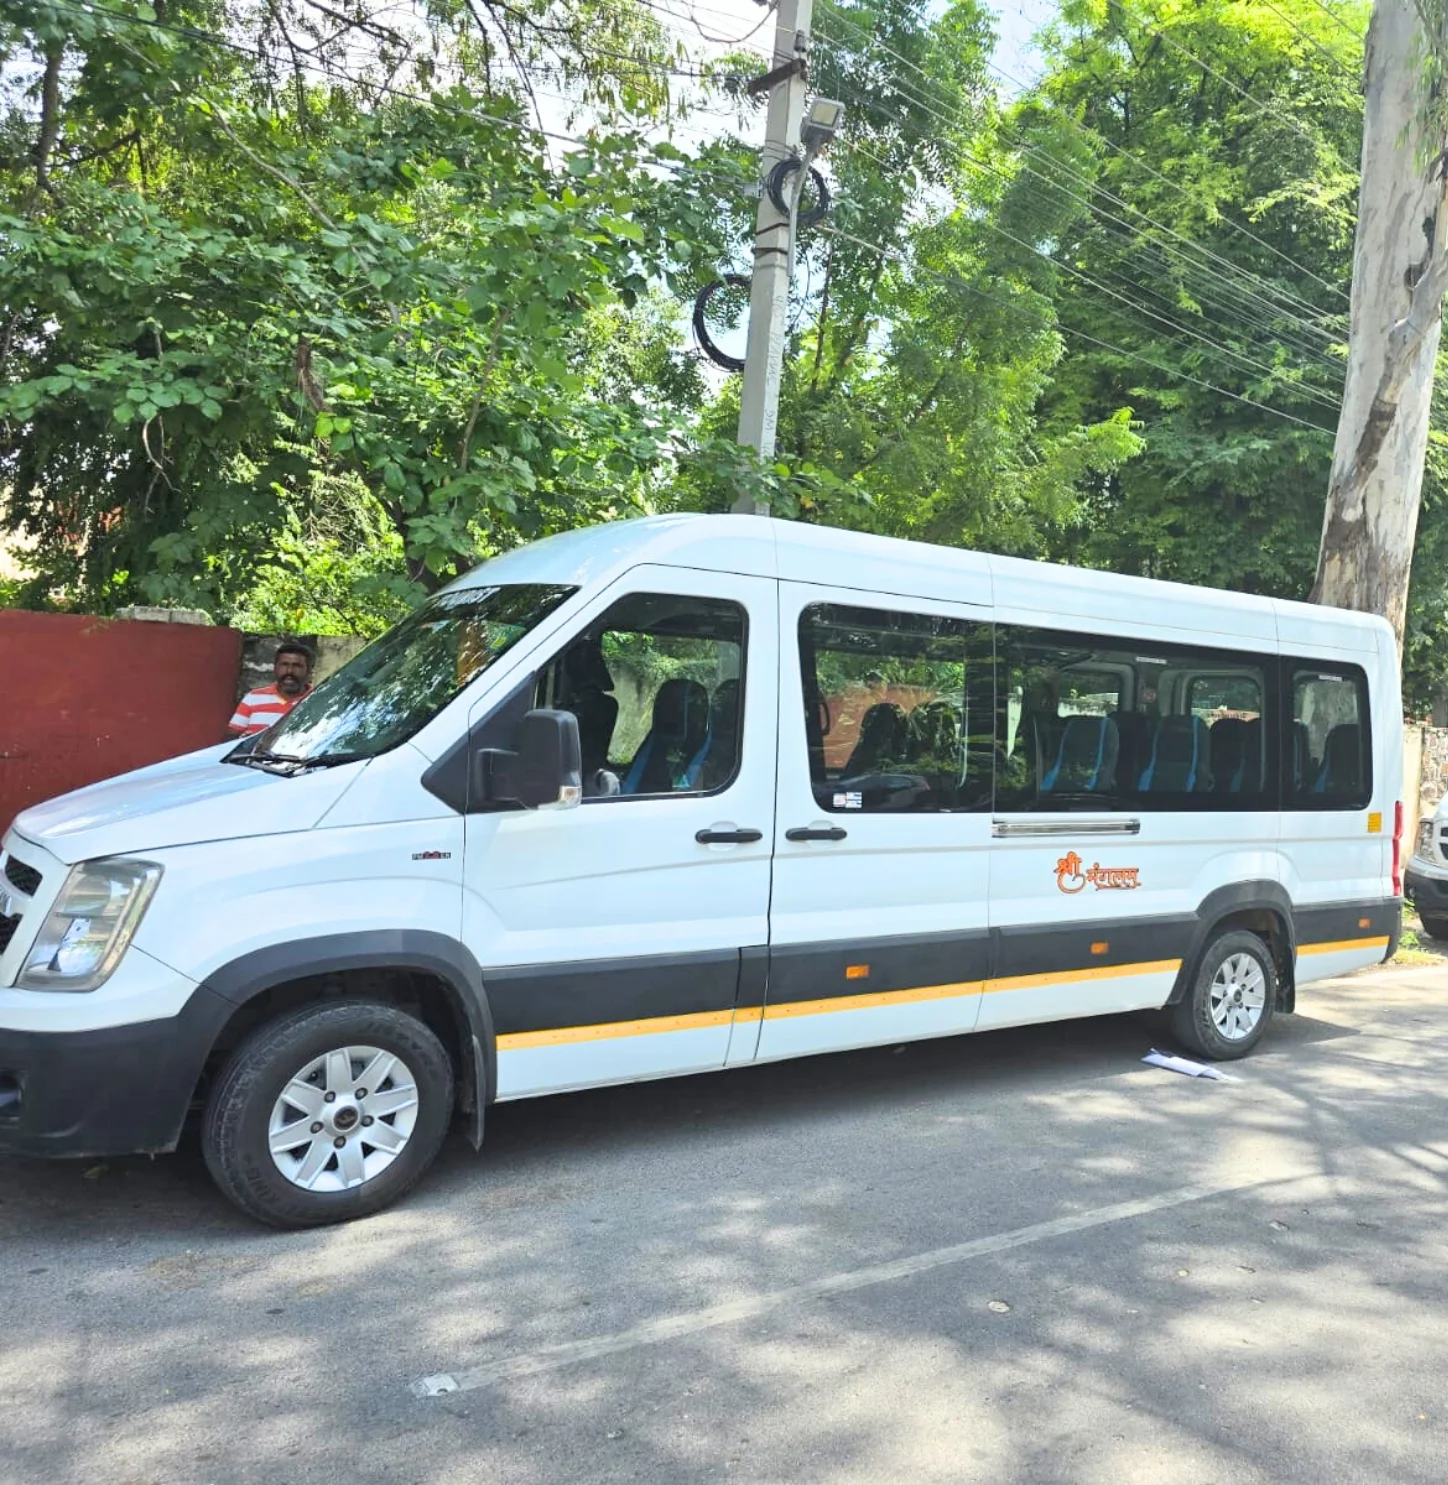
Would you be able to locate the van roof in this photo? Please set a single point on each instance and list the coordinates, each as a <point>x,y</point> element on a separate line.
<point>1028,592</point>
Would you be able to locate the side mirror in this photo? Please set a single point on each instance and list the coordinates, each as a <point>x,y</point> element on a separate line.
<point>544,772</point>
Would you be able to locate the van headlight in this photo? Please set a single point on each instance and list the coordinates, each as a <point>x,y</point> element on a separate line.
<point>82,940</point>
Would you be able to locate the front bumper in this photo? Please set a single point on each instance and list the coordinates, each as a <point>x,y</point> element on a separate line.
<point>121,1090</point>
<point>1426,887</point>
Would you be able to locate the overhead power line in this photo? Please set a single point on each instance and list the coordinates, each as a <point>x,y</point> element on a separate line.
<point>1327,10</point>
<point>1176,46</point>
<point>1310,39</point>
<point>1252,305</point>
<point>1218,345</point>
<point>1093,135</point>
<point>949,278</point>
<point>691,18</point>
<point>433,101</point>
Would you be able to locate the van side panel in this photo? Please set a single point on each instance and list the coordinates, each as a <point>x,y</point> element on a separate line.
<point>1120,888</point>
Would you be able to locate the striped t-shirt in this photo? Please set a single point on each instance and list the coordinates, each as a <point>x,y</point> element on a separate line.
<point>258,709</point>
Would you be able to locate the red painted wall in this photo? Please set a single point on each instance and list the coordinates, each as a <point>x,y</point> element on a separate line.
<point>83,698</point>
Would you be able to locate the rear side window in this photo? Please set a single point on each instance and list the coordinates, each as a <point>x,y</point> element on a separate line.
<point>1087,722</point>
<point>898,710</point>
<point>1329,742</point>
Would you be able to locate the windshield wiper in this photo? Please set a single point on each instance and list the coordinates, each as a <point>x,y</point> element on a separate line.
<point>254,756</point>
<point>291,763</point>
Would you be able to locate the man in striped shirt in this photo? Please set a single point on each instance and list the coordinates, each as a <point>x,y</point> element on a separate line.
<point>258,709</point>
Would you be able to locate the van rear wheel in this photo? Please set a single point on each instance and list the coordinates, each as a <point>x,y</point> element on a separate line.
<point>1229,1004</point>
<point>1434,927</point>
<point>327,1114</point>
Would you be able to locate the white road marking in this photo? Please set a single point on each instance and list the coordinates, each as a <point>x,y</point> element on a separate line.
<point>672,1327</point>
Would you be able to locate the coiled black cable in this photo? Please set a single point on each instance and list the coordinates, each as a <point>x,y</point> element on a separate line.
<point>701,328</point>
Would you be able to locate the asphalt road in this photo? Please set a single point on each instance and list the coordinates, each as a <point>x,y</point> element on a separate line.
<point>1016,1257</point>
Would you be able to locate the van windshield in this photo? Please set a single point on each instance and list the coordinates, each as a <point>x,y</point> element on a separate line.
<point>401,681</point>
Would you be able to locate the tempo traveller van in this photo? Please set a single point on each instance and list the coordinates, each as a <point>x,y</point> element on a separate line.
<point>684,794</point>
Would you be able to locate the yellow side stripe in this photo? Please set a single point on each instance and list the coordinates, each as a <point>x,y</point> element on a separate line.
<point>865,1002</point>
<point>745,1015</point>
<point>1338,945</point>
<point>513,1041</point>
<point>1096,972</point>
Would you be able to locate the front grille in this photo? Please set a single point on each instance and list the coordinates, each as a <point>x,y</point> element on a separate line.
<point>7,931</point>
<point>26,878</point>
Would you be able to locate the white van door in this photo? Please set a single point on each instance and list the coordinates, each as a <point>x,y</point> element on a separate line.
<point>881,878</point>
<point>615,937</point>
<point>1338,814</point>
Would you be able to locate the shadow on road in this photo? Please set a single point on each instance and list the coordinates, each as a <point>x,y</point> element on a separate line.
<point>1285,1333</point>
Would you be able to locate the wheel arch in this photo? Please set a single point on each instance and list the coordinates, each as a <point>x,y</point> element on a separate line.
<point>1261,907</point>
<point>408,967</point>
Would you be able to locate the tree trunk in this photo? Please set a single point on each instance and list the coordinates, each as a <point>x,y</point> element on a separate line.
<point>1400,271</point>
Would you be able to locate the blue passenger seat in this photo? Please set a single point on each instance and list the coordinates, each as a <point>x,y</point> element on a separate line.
<point>1085,758</point>
<point>1179,762</point>
<point>673,753</point>
<point>1230,745</point>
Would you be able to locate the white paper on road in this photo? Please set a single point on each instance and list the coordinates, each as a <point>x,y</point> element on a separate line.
<point>1187,1066</point>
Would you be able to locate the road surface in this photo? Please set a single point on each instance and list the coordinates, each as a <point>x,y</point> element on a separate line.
<point>1022,1256</point>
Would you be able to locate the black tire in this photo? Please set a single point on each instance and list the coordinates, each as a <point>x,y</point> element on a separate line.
<point>1434,927</point>
<point>1192,1021</point>
<point>235,1136</point>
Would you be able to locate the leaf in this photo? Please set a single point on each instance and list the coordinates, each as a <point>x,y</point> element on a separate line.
<point>622,227</point>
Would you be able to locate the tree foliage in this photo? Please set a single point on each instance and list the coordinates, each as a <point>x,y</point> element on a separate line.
<point>221,293</point>
<point>304,306</point>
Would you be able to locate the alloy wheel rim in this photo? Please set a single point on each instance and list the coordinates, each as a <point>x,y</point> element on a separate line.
<point>343,1118</point>
<point>1239,996</point>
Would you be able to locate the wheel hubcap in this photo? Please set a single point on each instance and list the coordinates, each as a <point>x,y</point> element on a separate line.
<point>1239,994</point>
<point>343,1118</point>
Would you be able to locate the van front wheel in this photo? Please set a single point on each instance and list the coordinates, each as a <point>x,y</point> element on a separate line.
<point>329,1113</point>
<point>1228,1005</point>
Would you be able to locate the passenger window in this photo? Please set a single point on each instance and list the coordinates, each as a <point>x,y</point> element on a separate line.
<point>897,710</point>
<point>1330,746</point>
<point>657,685</point>
<point>1090,723</point>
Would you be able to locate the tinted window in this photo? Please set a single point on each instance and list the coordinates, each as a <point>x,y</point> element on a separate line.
<point>401,681</point>
<point>897,709</point>
<point>657,687</point>
<point>1091,723</point>
<point>1328,752</point>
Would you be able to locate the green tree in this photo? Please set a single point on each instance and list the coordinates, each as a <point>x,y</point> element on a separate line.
<point>227,286</point>
<point>925,335</point>
<point>1212,239</point>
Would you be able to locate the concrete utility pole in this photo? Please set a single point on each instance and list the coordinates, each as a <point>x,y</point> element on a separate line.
<point>774,240</point>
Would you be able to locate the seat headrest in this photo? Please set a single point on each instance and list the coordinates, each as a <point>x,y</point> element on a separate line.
<point>681,712</point>
<point>584,666</point>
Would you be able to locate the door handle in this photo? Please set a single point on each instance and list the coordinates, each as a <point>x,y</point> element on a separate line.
<point>1012,829</point>
<point>809,832</point>
<point>728,837</point>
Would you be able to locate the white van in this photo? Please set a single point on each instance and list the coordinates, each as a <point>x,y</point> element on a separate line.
<point>690,793</point>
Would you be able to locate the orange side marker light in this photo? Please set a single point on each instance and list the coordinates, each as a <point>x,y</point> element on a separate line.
<point>1100,948</point>
<point>857,971</point>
